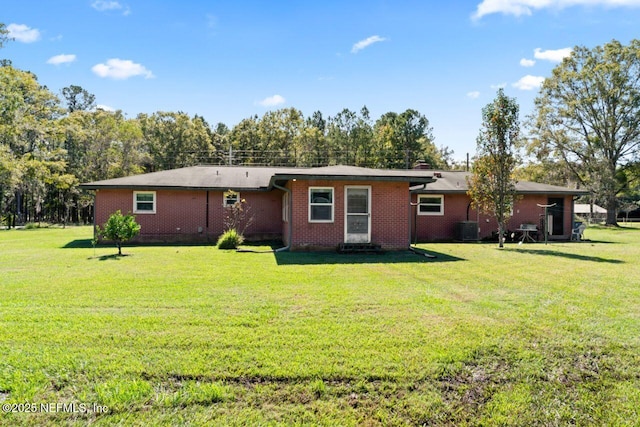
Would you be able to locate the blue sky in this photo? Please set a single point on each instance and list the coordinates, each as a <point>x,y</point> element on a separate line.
<point>228,60</point>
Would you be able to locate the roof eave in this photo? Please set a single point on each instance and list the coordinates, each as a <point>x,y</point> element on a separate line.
<point>413,180</point>
<point>523,192</point>
<point>167,187</point>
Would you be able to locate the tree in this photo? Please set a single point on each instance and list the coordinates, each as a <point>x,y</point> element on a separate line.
<point>588,115</point>
<point>279,134</point>
<point>78,99</point>
<point>176,140</point>
<point>403,139</point>
<point>244,139</point>
<point>29,130</point>
<point>342,136</point>
<point>4,35</point>
<point>119,228</point>
<point>102,144</point>
<point>491,186</point>
<point>313,142</point>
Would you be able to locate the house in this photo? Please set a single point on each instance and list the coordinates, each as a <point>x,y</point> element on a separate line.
<point>309,208</point>
<point>444,210</point>
<point>316,208</point>
<point>593,213</point>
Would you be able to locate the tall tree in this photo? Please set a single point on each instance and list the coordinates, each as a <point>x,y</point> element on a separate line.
<point>279,133</point>
<point>491,186</point>
<point>342,137</point>
<point>28,129</point>
<point>403,139</point>
<point>588,114</point>
<point>176,140</point>
<point>4,35</point>
<point>314,147</point>
<point>245,139</point>
<point>78,98</point>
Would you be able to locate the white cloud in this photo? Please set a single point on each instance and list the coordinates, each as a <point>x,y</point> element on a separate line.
<point>121,69</point>
<point>366,42</point>
<point>110,5</point>
<point>473,95</point>
<point>272,101</point>
<point>23,33</point>
<point>526,7</point>
<point>105,108</point>
<point>61,59</point>
<point>527,62</point>
<point>552,55</point>
<point>529,82</point>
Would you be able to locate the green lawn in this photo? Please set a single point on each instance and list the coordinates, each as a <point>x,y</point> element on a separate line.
<point>187,335</point>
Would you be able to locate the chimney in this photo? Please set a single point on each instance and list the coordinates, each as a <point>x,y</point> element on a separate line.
<point>421,165</point>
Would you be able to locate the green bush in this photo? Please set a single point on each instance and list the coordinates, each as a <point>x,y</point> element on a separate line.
<point>34,225</point>
<point>231,239</point>
<point>119,228</point>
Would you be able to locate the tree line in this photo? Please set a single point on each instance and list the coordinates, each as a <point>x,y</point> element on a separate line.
<point>48,146</point>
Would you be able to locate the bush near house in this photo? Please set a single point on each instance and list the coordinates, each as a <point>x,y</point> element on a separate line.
<point>231,239</point>
<point>119,228</point>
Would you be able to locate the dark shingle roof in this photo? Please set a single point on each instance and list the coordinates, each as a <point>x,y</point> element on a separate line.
<point>451,182</point>
<point>251,178</point>
<point>263,178</point>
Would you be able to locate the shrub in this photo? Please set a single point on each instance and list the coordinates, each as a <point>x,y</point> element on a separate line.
<point>231,239</point>
<point>119,228</point>
<point>34,225</point>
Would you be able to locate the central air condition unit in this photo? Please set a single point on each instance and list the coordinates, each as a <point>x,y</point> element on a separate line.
<point>467,231</point>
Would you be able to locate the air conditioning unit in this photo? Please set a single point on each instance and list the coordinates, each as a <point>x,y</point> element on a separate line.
<point>467,231</point>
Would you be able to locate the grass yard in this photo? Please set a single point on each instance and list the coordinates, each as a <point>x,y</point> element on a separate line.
<point>191,335</point>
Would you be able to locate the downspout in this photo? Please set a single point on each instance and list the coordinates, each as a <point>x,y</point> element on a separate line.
<point>414,248</point>
<point>207,213</point>
<point>415,217</point>
<point>290,208</point>
<point>95,230</point>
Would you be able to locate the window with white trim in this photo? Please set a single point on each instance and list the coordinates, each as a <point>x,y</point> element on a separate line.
<point>230,198</point>
<point>144,202</point>
<point>320,204</point>
<point>430,204</point>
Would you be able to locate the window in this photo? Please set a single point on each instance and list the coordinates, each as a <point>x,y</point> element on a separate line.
<point>144,202</point>
<point>320,204</point>
<point>430,204</point>
<point>230,198</point>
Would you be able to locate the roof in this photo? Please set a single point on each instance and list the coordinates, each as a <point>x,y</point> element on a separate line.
<point>585,208</point>
<point>452,182</point>
<point>252,178</point>
<point>354,173</point>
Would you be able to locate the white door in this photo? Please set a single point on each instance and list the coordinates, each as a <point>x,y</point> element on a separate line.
<point>357,223</point>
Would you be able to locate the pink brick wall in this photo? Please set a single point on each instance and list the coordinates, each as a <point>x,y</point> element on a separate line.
<point>181,215</point>
<point>389,215</point>
<point>434,228</point>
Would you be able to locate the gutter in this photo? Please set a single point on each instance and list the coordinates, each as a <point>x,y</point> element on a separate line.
<point>414,248</point>
<point>94,210</point>
<point>415,216</point>
<point>290,208</point>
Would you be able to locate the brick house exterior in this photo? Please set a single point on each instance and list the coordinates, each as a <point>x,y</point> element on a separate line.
<point>451,189</point>
<point>191,215</point>
<point>319,208</point>
<point>188,204</point>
